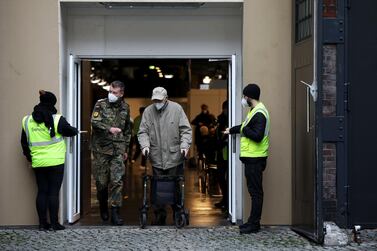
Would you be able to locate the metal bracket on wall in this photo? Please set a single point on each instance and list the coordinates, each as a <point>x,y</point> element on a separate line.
<point>333,31</point>
<point>333,129</point>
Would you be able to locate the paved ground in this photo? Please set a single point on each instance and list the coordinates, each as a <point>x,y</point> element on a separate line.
<point>166,238</point>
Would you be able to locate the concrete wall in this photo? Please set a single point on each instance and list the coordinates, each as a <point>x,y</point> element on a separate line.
<point>29,61</point>
<point>267,61</point>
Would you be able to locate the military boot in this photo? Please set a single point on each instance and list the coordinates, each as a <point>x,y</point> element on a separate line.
<point>115,217</point>
<point>102,199</point>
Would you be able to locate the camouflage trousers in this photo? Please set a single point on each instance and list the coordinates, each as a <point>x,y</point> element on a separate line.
<point>108,171</point>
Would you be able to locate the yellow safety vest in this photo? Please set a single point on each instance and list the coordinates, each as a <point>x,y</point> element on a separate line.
<point>250,148</point>
<point>45,151</point>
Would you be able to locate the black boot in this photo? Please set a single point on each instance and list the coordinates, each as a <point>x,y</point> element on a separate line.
<point>102,199</point>
<point>115,217</point>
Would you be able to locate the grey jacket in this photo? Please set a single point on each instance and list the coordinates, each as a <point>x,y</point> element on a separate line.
<point>165,132</point>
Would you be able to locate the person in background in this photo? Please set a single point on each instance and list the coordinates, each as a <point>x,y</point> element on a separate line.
<point>42,141</point>
<point>222,156</point>
<point>165,136</point>
<point>136,130</point>
<point>254,152</point>
<point>111,136</point>
<point>204,118</point>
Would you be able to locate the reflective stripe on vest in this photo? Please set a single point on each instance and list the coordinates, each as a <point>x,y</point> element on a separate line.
<point>250,148</point>
<point>45,151</point>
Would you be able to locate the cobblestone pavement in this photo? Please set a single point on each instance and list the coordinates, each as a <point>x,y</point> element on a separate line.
<point>166,238</point>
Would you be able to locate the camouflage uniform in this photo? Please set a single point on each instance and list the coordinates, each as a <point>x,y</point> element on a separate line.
<point>108,149</point>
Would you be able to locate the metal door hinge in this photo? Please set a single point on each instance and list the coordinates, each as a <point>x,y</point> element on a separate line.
<point>346,96</point>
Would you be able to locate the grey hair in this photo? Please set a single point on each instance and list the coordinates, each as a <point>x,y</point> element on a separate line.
<point>118,84</point>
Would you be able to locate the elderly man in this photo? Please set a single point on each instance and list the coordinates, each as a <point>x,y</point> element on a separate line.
<point>165,134</point>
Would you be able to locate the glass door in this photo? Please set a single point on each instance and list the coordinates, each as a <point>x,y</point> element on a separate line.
<point>73,146</point>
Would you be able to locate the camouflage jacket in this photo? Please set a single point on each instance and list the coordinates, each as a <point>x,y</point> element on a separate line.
<point>104,116</point>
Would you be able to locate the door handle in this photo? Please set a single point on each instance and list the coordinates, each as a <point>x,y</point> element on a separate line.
<point>312,88</point>
<point>234,143</point>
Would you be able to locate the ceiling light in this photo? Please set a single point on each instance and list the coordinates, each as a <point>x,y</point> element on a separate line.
<point>220,76</point>
<point>92,75</point>
<point>93,68</point>
<point>169,76</point>
<point>207,80</point>
<point>95,80</point>
<point>103,82</point>
<point>160,75</point>
<point>106,87</point>
<point>151,67</point>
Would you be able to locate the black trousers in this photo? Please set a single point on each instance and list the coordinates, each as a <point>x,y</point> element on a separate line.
<point>160,210</point>
<point>254,174</point>
<point>49,180</point>
<point>222,174</point>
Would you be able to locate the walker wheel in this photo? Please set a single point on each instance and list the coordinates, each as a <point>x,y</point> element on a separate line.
<point>180,219</point>
<point>143,219</point>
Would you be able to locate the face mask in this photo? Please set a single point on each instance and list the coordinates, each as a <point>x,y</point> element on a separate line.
<point>244,103</point>
<point>112,98</point>
<point>159,105</point>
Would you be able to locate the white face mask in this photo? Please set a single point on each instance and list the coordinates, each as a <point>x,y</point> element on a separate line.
<point>159,105</point>
<point>112,98</point>
<point>244,103</point>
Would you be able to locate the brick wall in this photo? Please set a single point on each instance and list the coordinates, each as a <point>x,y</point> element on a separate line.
<point>329,149</point>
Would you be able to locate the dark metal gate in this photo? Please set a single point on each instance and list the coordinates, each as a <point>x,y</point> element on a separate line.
<point>362,113</point>
<point>307,169</point>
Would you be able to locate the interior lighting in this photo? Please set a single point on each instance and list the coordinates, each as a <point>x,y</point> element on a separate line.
<point>93,68</point>
<point>168,76</point>
<point>220,76</point>
<point>152,67</point>
<point>92,75</point>
<point>95,80</point>
<point>207,80</point>
<point>160,75</point>
<point>106,87</point>
<point>103,82</point>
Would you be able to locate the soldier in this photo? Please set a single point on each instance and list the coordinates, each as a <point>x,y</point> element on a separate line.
<point>110,141</point>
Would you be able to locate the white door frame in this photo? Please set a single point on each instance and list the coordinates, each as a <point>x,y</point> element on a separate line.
<point>73,103</point>
<point>72,164</point>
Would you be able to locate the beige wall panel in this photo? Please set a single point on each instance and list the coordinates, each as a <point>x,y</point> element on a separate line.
<point>267,61</point>
<point>29,61</point>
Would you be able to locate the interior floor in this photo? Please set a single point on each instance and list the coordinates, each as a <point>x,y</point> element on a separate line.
<point>203,213</point>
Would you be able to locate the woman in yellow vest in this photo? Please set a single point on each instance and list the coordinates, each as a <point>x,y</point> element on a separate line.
<point>254,151</point>
<point>43,145</point>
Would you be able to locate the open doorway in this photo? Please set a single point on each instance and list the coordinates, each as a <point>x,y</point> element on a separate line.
<point>190,82</point>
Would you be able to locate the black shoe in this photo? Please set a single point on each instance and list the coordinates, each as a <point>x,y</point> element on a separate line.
<point>160,218</point>
<point>220,205</point>
<point>250,229</point>
<point>44,227</point>
<point>115,218</point>
<point>244,225</point>
<point>57,227</point>
<point>102,197</point>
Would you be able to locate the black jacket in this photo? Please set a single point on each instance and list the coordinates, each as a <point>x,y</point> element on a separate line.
<point>64,128</point>
<point>254,130</point>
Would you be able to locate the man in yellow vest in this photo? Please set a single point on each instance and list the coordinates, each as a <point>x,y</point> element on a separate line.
<point>254,151</point>
<point>43,145</point>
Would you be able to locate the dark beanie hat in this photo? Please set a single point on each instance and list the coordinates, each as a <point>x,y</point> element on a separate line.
<point>251,91</point>
<point>47,97</point>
